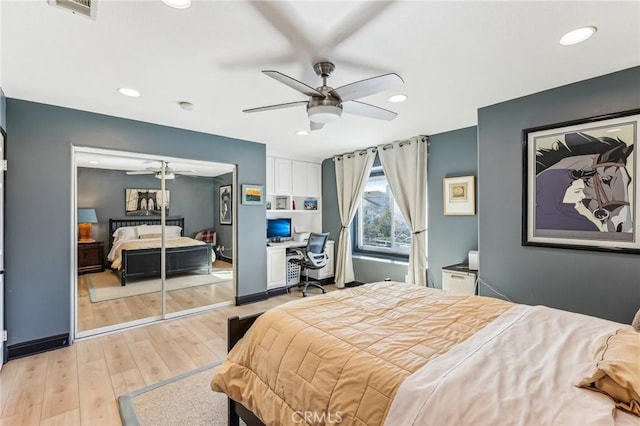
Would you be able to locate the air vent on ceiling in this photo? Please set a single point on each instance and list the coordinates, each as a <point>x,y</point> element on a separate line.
<point>79,7</point>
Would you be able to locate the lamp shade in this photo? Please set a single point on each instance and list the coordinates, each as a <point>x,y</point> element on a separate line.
<point>87,216</point>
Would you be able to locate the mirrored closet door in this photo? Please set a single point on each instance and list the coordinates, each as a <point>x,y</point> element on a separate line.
<point>154,240</point>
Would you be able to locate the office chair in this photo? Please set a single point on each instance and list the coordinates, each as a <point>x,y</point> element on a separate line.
<point>313,257</point>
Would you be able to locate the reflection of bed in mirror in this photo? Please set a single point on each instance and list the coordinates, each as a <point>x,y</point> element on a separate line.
<point>135,246</point>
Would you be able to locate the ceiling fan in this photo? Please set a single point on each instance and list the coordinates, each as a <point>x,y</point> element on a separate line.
<point>169,173</point>
<point>326,104</point>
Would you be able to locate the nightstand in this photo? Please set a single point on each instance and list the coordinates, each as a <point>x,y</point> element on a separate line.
<point>90,256</point>
<point>459,279</point>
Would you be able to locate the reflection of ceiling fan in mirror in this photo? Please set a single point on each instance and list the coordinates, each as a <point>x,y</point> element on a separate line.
<point>326,104</point>
<point>157,172</point>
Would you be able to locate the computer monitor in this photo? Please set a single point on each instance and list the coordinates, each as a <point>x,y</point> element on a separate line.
<point>278,228</point>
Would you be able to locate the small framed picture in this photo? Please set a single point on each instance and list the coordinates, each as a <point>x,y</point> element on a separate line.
<point>311,204</point>
<point>459,196</point>
<point>252,194</point>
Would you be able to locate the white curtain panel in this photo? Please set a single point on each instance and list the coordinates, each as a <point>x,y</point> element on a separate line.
<point>352,172</point>
<point>405,166</point>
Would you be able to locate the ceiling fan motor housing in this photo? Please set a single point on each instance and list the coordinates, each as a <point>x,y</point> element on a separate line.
<point>324,110</point>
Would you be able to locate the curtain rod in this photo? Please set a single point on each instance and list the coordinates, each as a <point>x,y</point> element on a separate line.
<point>423,138</point>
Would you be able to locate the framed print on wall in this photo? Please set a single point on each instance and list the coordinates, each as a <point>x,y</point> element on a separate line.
<point>252,194</point>
<point>145,202</point>
<point>580,187</point>
<point>459,196</point>
<point>226,204</point>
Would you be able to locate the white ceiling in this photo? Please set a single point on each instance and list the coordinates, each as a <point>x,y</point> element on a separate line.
<point>453,56</point>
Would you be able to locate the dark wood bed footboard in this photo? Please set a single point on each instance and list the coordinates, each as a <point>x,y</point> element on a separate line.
<point>146,262</point>
<point>236,328</point>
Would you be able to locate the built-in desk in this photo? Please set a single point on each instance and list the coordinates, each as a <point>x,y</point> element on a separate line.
<point>277,263</point>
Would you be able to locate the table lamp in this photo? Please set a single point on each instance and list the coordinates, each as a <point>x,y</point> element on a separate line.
<point>85,218</point>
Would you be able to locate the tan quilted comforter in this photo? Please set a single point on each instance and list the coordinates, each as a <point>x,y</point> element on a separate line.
<point>345,354</point>
<point>149,243</point>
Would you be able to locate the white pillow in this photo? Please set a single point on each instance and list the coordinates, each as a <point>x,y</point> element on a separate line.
<point>125,233</point>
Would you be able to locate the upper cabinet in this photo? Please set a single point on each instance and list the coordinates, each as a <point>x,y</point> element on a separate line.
<point>306,179</point>
<point>293,178</point>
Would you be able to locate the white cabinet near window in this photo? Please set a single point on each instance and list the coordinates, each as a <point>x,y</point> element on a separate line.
<point>328,270</point>
<point>459,279</point>
<point>276,267</point>
<point>282,176</point>
<point>306,179</point>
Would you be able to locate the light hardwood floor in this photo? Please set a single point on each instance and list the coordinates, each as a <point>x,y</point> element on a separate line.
<point>101,314</point>
<point>79,384</point>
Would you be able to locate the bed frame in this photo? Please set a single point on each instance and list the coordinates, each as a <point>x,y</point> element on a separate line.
<point>146,262</point>
<point>236,328</point>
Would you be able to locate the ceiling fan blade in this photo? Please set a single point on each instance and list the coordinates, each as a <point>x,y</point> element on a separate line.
<point>354,22</point>
<point>278,14</point>
<point>367,110</point>
<point>278,106</point>
<point>293,83</point>
<point>148,172</point>
<point>315,126</point>
<point>367,87</point>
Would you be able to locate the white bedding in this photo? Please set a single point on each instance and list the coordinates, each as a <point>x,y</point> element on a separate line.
<point>519,370</point>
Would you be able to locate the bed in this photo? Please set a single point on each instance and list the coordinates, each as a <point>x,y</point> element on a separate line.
<point>397,354</point>
<point>137,256</point>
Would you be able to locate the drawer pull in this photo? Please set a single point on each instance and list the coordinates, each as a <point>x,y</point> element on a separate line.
<point>458,277</point>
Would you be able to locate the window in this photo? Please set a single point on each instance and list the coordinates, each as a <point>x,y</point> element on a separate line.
<point>381,227</point>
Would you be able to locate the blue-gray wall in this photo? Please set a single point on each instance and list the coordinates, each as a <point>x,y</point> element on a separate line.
<point>39,197</point>
<point>104,190</point>
<point>595,283</point>
<point>450,237</point>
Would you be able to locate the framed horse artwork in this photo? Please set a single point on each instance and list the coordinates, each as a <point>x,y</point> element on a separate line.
<point>580,186</point>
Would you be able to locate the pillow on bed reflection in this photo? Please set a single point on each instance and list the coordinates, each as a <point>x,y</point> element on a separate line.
<point>617,370</point>
<point>125,233</point>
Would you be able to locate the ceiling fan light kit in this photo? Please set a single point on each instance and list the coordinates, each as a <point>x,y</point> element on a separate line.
<point>326,104</point>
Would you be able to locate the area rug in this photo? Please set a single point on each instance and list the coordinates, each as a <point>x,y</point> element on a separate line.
<point>186,399</point>
<point>106,285</point>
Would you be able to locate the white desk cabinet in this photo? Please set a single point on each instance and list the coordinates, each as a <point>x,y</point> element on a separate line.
<point>459,279</point>
<point>276,267</point>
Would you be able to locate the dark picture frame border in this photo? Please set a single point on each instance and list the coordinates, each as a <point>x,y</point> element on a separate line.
<point>223,218</point>
<point>584,244</point>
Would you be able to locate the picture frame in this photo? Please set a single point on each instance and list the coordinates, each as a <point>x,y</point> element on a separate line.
<point>226,205</point>
<point>145,202</point>
<point>310,204</point>
<point>459,196</point>
<point>579,186</point>
<point>252,194</point>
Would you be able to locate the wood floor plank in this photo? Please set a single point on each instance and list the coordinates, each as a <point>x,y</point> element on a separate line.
<point>98,405</point>
<point>117,354</point>
<point>28,391</point>
<point>197,350</point>
<point>172,354</point>
<point>127,381</point>
<point>7,379</point>
<point>61,389</point>
<point>64,419</point>
<point>149,361</point>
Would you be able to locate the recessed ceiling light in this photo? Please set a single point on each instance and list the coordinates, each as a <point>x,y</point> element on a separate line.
<point>94,162</point>
<point>177,4</point>
<point>187,106</point>
<point>397,98</point>
<point>129,92</point>
<point>302,133</point>
<point>577,36</point>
